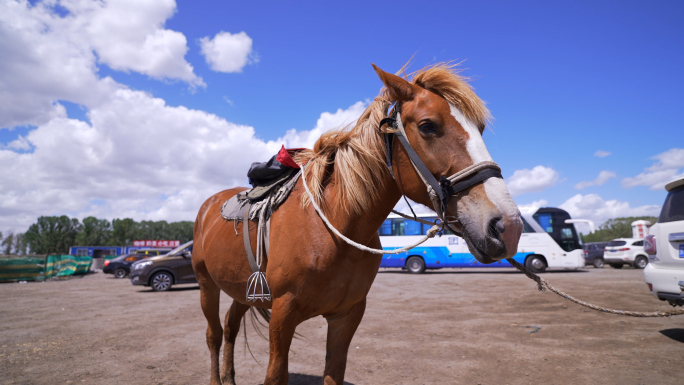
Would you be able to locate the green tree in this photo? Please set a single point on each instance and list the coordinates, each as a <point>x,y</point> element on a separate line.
<point>123,232</point>
<point>615,228</point>
<point>7,244</point>
<point>20,244</point>
<point>182,231</point>
<point>94,232</point>
<point>52,235</point>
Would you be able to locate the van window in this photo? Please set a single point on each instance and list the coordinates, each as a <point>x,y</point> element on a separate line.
<point>673,208</point>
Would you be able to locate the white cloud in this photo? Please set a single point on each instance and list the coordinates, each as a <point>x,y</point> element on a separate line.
<point>47,57</point>
<point>534,180</point>
<point>595,208</point>
<point>139,156</point>
<point>602,154</point>
<point>327,121</point>
<point>602,178</point>
<point>227,52</point>
<point>532,207</point>
<point>130,35</point>
<point>418,208</point>
<point>666,169</point>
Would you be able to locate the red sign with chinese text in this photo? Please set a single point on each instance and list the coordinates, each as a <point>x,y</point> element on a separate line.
<point>156,243</point>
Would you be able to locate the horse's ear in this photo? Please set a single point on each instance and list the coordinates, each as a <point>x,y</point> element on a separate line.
<point>398,88</point>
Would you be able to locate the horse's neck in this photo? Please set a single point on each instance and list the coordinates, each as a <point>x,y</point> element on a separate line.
<point>360,226</point>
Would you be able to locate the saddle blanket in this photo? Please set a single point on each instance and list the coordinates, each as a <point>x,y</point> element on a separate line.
<point>234,208</point>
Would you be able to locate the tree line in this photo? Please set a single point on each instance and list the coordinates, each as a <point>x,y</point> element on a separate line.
<point>55,234</point>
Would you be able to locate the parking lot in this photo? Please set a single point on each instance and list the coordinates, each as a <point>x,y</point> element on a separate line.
<point>451,326</point>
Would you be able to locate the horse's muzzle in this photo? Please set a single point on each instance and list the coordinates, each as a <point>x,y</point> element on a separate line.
<point>496,240</point>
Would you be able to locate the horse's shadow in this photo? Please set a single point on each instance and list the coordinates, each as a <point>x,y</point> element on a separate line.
<point>307,379</point>
<point>675,334</point>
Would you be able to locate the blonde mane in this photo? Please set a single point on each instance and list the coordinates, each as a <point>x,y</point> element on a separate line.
<point>357,156</point>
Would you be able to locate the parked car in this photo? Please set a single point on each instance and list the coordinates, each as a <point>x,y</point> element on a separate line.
<point>593,253</point>
<point>665,245</point>
<point>625,251</point>
<point>121,265</point>
<point>163,271</point>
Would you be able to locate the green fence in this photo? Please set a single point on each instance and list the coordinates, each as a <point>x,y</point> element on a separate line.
<point>41,267</point>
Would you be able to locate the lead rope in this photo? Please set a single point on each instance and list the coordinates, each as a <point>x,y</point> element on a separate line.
<point>543,284</point>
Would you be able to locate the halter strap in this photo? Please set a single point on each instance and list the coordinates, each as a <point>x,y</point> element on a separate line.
<point>439,191</point>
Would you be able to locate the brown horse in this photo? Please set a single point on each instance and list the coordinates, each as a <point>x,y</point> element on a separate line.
<point>310,271</point>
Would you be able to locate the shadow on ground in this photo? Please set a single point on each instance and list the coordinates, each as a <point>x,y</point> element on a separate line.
<point>306,379</point>
<point>675,334</point>
<point>172,289</point>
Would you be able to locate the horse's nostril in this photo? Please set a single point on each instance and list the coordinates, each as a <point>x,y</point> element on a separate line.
<point>496,227</point>
<point>500,227</point>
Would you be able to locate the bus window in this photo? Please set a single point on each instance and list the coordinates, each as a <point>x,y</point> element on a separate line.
<point>411,228</point>
<point>566,233</point>
<point>526,227</point>
<point>545,221</point>
<point>386,227</point>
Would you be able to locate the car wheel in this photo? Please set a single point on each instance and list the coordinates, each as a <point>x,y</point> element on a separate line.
<point>598,263</point>
<point>535,263</point>
<point>415,265</point>
<point>161,281</point>
<point>640,262</point>
<point>119,273</point>
<point>616,265</point>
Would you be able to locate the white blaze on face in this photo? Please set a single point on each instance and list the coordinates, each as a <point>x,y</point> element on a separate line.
<point>494,187</point>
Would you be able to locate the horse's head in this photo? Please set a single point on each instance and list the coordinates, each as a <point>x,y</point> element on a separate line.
<point>443,123</point>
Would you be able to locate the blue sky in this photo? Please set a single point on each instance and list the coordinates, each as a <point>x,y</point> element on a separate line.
<point>103,124</point>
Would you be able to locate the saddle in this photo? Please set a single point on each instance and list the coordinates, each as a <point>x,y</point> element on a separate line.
<point>272,182</point>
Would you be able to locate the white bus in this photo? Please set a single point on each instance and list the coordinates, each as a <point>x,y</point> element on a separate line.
<point>547,241</point>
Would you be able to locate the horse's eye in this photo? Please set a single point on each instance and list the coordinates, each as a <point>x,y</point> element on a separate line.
<point>427,127</point>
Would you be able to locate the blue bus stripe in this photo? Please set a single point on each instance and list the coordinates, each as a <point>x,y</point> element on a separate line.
<point>438,257</point>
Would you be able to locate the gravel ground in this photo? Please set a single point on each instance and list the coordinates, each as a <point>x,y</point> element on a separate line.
<point>451,326</point>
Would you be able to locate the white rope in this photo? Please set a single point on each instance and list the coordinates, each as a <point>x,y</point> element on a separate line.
<point>430,234</point>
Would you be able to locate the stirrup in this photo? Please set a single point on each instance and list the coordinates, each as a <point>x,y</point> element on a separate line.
<point>257,287</point>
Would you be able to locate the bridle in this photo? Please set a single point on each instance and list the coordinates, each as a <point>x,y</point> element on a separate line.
<point>439,191</point>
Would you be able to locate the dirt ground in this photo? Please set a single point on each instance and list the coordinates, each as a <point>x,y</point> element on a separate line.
<point>451,326</point>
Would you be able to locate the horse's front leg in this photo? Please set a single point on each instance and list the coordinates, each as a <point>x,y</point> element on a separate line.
<point>341,329</point>
<point>284,321</point>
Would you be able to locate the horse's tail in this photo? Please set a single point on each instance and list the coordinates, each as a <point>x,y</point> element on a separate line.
<point>257,324</point>
<point>257,317</point>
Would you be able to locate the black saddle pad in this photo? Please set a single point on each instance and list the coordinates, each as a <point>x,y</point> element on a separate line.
<point>264,186</point>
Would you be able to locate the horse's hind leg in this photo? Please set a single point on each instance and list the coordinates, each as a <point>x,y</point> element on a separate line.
<point>209,299</point>
<point>341,329</point>
<point>230,332</point>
